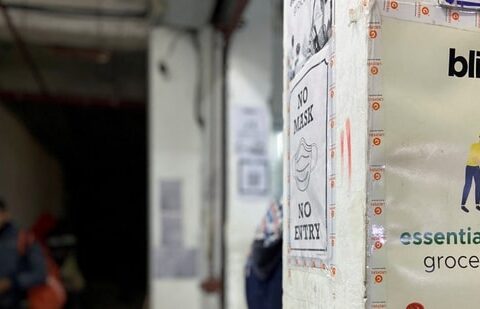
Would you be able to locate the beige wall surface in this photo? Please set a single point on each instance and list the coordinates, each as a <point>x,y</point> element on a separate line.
<point>30,178</point>
<point>249,85</point>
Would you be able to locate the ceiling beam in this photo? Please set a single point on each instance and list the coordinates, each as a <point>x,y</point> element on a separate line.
<point>70,101</point>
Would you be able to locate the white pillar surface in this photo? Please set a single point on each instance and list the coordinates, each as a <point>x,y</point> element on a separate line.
<point>308,287</point>
<point>249,84</point>
<point>175,154</point>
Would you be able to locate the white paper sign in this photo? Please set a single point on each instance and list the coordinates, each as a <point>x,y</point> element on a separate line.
<point>308,159</point>
<point>251,125</point>
<point>172,259</point>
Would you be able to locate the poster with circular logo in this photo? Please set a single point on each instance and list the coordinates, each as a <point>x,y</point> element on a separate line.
<point>431,179</point>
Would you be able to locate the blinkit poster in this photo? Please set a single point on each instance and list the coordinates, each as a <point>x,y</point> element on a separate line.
<point>429,241</point>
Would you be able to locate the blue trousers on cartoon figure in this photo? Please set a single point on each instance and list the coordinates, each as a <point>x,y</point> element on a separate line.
<point>471,173</point>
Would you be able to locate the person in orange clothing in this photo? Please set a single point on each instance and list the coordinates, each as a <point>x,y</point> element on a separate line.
<point>20,272</point>
<point>472,172</point>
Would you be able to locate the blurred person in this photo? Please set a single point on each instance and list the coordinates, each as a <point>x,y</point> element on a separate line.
<point>52,294</point>
<point>73,280</point>
<point>63,247</point>
<point>20,270</point>
<point>264,265</point>
<point>43,227</point>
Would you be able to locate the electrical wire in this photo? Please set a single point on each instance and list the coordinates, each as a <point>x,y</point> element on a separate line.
<point>199,91</point>
<point>63,10</point>
<point>24,51</point>
<point>163,67</point>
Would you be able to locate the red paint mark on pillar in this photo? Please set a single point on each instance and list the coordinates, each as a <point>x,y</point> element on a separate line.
<point>349,149</point>
<point>342,150</point>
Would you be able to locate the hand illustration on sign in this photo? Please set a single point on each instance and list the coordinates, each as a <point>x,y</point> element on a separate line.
<point>315,18</point>
<point>305,162</point>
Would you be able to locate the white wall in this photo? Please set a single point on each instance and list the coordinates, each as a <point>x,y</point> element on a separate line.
<point>30,178</point>
<point>309,288</point>
<point>249,84</point>
<point>175,153</point>
<point>174,137</point>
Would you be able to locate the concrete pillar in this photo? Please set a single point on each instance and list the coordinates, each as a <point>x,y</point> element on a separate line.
<point>249,86</point>
<point>328,269</point>
<point>175,182</point>
<point>185,125</point>
<point>388,103</point>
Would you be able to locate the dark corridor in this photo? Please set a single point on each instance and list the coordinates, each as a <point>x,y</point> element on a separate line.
<point>102,152</point>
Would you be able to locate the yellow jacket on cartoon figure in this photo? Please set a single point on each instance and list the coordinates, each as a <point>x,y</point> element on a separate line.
<point>474,155</point>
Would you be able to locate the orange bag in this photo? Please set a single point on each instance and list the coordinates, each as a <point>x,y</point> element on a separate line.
<point>50,295</point>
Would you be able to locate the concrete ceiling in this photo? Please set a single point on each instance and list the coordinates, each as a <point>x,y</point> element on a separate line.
<point>94,50</point>
<point>105,24</point>
<point>114,76</point>
<point>102,24</point>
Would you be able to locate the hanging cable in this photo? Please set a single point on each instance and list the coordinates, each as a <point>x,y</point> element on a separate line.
<point>92,12</point>
<point>22,47</point>
<point>199,86</point>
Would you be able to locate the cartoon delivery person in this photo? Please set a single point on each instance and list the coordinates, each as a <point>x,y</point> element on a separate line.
<point>472,171</point>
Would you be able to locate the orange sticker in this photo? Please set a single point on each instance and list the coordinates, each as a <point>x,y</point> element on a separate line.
<point>425,10</point>
<point>378,245</point>
<point>378,211</point>
<point>375,106</point>
<point>394,5</point>
<point>374,70</point>
<point>415,306</point>
<point>377,176</point>
<point>377,141</point>
<point>455,16</point>
<point>373,34</point>
<point>378,278</point>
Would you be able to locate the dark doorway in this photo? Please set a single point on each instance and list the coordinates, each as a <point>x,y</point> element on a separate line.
<point>103,156</point>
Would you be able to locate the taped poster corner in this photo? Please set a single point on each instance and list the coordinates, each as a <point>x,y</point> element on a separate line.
<point>438,12</point>
<point>423,242</point>
<point>461,4</point>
